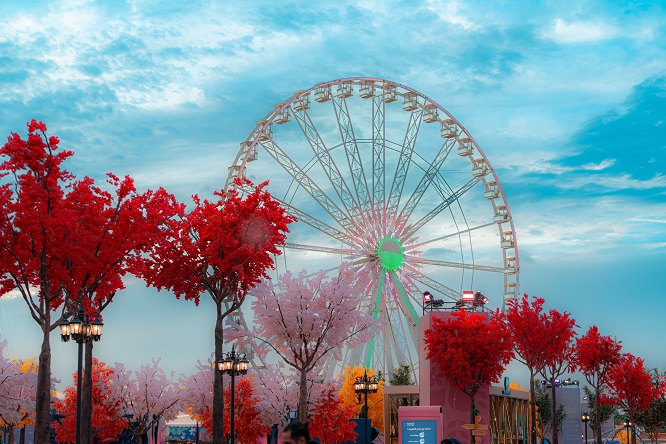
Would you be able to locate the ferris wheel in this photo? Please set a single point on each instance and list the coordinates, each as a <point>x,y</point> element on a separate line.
<point>383,178</point>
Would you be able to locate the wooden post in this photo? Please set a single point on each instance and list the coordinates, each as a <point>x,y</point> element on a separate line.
<point>478,430</point>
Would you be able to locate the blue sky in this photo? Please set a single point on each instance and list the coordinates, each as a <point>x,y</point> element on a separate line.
<point>566,99</point>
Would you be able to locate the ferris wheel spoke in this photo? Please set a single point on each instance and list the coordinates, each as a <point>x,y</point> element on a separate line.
<point>427,179</point>
<point>407,327</point>
<point>418,260</point>
<point>301,216</point>
<point>434,285</point>
<point>403,163</point>
<point>306,183</point>
<point>405,304</point>
<point>352,152</point>
<point>338,251</point>
<point>410,230</point>
<point>379,153</point>
<point>375,314</point>
<point>457,233</point>
<point>326,161</point>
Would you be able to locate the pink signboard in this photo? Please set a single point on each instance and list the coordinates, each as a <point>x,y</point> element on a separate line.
<point>420,424</point>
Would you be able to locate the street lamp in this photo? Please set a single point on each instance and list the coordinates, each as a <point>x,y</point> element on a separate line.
<point>81,331</point>
<point>585,418</point>
<point>362,386</point>
<point>627,425</point>
<point>234,364</point>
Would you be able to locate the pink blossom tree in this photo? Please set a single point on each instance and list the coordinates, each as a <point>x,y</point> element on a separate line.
<point>278,394</point>
<point>197,393</point>
<point>304,318</point>
<point>18,383</point>
<point>148,394</point>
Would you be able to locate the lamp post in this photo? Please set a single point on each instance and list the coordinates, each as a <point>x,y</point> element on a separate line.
<point>362,386</point>
<point>234,364</point>
<point>585,418</point>
<point>81,331</point>
<point>627,425</point>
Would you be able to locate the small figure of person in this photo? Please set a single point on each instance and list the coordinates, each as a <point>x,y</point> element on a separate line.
<point>296,433</point>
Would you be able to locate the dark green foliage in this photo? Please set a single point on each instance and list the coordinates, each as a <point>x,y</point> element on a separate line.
<point>402,375</point>
<point>545,411</point>
<point>606,409</point>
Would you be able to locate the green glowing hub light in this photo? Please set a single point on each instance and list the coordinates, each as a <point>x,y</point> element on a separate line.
<point>391,254</point>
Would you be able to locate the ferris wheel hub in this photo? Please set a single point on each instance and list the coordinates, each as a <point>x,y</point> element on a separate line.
<point>391,253</point>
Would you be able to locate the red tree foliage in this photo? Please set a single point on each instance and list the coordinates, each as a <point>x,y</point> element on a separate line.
<point>594,356</point>
<point>247,420</point>
<point>471,350</point>
<point>63,240</point>
<point>528,324</point>
<point>632,387</point>
<point>107,421</point>
<point>222,248</point>
<point>330,419</point>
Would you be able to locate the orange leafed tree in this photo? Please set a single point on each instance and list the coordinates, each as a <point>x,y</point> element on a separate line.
<point>107,421</point>
<point>349,397</point>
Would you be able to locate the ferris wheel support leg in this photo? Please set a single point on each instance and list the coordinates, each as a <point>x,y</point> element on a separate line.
<point>375,314</point>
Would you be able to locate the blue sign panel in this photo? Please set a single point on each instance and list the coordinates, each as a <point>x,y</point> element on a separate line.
<point>419,431</point>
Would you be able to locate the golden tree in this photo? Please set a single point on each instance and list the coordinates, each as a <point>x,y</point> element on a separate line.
<point>375,400</point>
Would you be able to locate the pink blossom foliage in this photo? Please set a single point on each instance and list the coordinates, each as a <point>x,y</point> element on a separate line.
<point>197,391</point>
<point>277,392</point>
<point>17,391</point>
<point>148,394</point>
<point>305,317</point>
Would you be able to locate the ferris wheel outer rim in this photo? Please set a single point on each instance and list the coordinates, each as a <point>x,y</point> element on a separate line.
<point>263,124</point>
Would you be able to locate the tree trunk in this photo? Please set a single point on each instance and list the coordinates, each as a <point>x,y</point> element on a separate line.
<point>43,398</point>
<point>22,435</point>
<point>86,396</point>
<point>553,391</point>
<point>533,428</point>
<point>302,415</point>
<point>597,411</point>
<point>472,417</point>
<point>218,389</point>
<point>10,439</point>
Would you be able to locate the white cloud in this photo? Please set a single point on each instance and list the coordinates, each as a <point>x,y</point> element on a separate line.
<point>621,182</point>
<point>451,11</point>
<point>606,163</point>
<point>14,294</point>
<point>579,32</point>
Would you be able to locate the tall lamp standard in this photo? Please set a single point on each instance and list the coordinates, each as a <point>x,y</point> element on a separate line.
<point>362,386</point>
<point>585,418</point>
<point>627,425</point>
<point>234,364</point>
<point>81,331</point>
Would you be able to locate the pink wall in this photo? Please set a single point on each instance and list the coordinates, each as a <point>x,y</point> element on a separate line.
<point>435,389</point>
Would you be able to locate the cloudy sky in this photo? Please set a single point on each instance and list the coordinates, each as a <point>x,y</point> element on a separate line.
<point>566,99</point>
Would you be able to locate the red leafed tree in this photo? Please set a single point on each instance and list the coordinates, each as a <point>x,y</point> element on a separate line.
<point>330,418</point>
<point>631,387</point>
<point>594,356</point>
<point>531,342</point>
<point>247,419</point>
<point>118,228</point>
<point>471,350</point>
<point>107,421</point>
<point>222,248</point>
<point>559,328</point>
<point>64,242</point>
<point>34,239</point>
